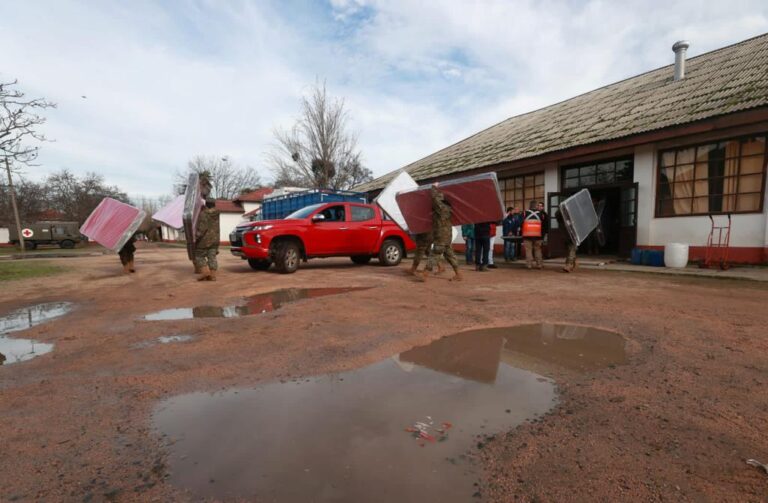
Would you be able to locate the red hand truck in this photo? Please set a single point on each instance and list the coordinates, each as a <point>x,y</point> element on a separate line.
<point>718,245</point>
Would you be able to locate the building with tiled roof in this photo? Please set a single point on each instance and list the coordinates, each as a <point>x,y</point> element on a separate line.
<point>663,153</point>
<point>255,196</point>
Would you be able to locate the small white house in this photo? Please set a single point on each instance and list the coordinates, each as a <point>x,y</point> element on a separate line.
<point>4,235</point>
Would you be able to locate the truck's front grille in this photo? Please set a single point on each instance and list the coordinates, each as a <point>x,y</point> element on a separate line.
<point>236,237</point>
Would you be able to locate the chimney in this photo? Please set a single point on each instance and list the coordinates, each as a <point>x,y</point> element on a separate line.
<point>680,47</point>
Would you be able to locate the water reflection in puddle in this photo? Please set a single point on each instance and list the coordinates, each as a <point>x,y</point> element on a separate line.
<point>28,317</point>
<point>257,304</point>
<point>342,437</point>
<point>12,349</point>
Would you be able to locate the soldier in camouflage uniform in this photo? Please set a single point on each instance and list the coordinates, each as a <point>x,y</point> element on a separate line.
<point>207,242</point>
<point>442,229</point>
<point>424,242</point>
<point>570,258</point>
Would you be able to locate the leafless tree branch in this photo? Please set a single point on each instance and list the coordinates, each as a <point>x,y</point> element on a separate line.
<point>227,180</point>
<point>318,151</point>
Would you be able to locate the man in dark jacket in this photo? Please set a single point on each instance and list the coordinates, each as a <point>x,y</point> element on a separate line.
<point>482,245</point>
<point>511,229</point>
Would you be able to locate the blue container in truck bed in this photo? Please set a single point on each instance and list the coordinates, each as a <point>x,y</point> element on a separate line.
<point>279,207</point>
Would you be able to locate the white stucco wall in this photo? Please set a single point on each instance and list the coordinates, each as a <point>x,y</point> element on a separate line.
<point>249,206</point>
<point>227,223</point>
<point>747,230</point>
<point>4,235</point>
<point>171,234</point>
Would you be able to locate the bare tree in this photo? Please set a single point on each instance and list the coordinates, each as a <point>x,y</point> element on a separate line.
<point>76,197</point>
<point>31,200</point>
<point>19,119</point>
<point>227,180</point>
<point>318,151</point>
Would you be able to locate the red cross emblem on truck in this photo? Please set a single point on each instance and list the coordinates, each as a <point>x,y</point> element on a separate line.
<point>27,233</point>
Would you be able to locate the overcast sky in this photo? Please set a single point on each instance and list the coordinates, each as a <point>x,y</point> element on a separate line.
<point>167,80</point>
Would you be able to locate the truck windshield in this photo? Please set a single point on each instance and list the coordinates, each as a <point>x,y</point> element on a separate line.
<point>304,212</point>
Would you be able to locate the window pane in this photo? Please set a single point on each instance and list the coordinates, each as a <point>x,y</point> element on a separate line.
<point>729,185</point>
<point>703,153</point>
<point>606,167</point>
<point>587,180</point>
<point>587,170</point>
<point>682,206</point>
<point>540,179</point>
<point>667,174</point>
<point>361,213</point>
<point>750,183</point>
<point>668,159</point>
<point>686,155</point>
<point>682,189</point>
<point>701,205</point>
<point>752,164</point>
<point>571,172</point>
<point>666,207</point>
<point>728,204</point>
<point>628,194</point>
<point>529,181</point>
<point>701,188</point>
<point>753,146</point>
<point>702,171</point>
<point>519,182</point>
<point>529,193</point>
<point>540,192</point>
<point>684,173</point>
<point>730,148</point>
<point>518,194</point>
<point>748,202</point>
<point>571,183</point>
<point>623,170</point>
<point>606,177</point>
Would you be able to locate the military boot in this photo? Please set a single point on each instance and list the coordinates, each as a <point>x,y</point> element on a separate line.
<point>127,268</point>
<point>212,276</point>
<point>205,273</point>
<point>131,267</point>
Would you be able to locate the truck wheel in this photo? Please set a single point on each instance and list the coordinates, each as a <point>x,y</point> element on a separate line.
<point>67,244</point>
<point>391,252</point>
<point>259,264</point>
<point>287,257</point>
<point>30,245</point>
<point>361,259</point>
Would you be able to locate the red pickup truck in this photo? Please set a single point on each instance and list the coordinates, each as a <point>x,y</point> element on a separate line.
<point>355,230</point>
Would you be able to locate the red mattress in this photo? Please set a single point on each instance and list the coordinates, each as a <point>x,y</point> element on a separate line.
<point>112,223</point>
<point>474,199</point>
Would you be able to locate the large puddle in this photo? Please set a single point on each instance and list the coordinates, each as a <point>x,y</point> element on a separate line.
<point>257,304</point>
<point>398,430</point>
<point>14,349</point>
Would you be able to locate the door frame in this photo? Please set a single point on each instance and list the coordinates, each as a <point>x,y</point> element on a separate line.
<point>556,245</point>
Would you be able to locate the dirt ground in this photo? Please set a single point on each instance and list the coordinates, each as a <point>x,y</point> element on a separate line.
<point>674,424</point>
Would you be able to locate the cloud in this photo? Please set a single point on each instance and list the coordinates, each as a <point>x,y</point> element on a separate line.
<point>165,82</point>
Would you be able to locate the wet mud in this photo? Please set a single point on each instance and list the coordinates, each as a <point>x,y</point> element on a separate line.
<point>672,419</point>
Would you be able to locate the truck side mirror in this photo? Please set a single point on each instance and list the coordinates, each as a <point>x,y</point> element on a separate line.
<point>319,217</point>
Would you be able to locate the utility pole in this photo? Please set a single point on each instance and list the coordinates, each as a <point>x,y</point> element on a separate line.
<point>15,208</point>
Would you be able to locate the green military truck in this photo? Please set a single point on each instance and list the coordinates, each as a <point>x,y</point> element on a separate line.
<point>64,234</point>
